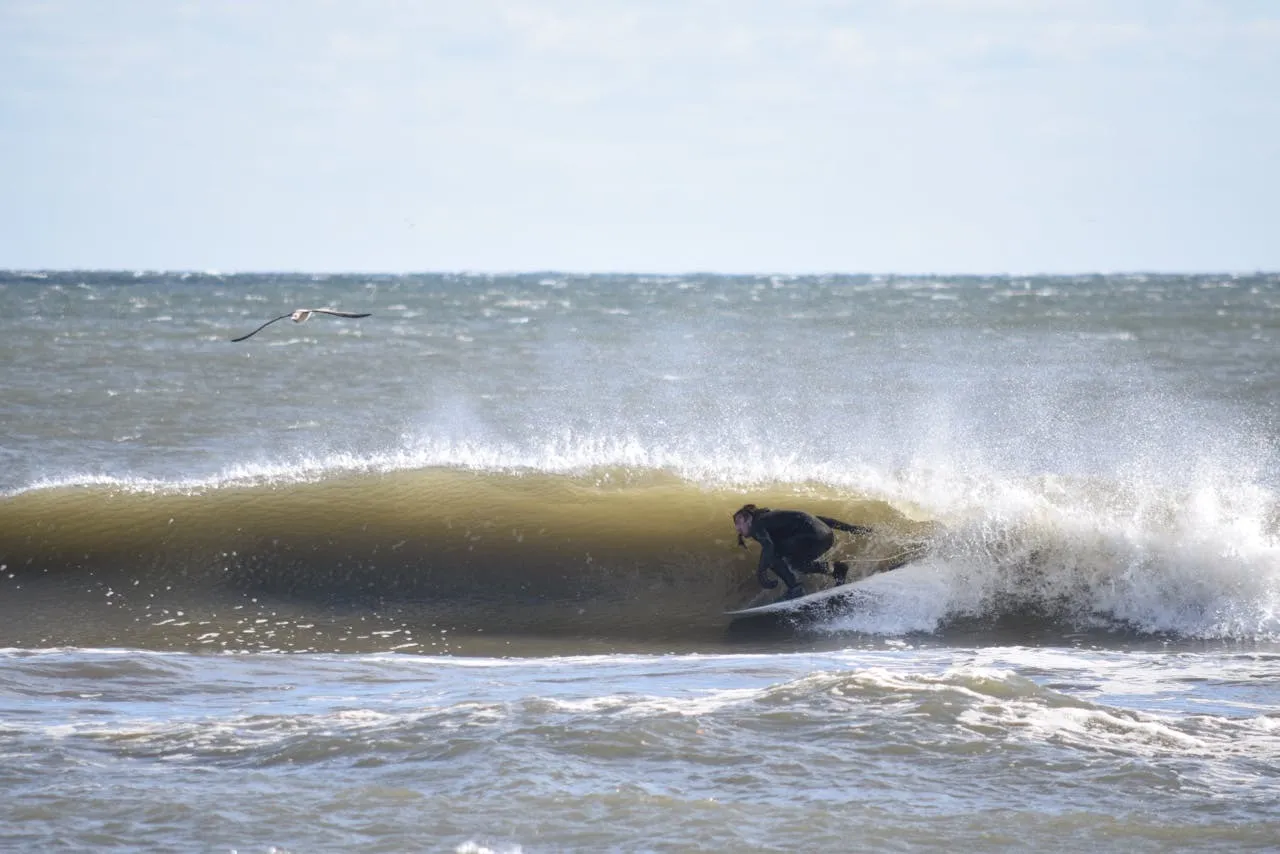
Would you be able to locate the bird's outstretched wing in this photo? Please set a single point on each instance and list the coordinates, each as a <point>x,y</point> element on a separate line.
<point>337,313</point>
<point>263,326</point>
<point>300,315</point>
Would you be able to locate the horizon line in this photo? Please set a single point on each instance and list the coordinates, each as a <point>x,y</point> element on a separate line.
<point>36,272</point>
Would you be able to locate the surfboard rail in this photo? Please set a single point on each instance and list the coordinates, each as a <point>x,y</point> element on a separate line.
<point>825,600</point>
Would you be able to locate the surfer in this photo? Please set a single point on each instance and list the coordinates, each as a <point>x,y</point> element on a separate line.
<point>792,541</point>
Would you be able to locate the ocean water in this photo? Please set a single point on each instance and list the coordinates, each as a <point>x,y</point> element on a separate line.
<point>452,577</point>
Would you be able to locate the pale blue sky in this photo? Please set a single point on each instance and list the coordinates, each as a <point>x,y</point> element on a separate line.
<point>723,135</point>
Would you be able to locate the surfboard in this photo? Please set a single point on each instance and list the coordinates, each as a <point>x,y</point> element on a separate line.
<point>828,600</point>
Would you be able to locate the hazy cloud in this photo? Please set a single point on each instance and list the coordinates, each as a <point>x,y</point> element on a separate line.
<point>917,134</point>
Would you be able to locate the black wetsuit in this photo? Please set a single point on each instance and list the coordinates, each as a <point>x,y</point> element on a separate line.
<point>791,541</point>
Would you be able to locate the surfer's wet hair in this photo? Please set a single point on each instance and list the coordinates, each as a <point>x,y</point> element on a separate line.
<point>747,511</point>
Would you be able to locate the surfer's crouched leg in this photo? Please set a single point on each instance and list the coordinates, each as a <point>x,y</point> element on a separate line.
<point>840,571</point>
<point>794,592</point>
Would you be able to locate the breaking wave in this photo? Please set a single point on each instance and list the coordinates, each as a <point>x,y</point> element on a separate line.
<point>497,535</point>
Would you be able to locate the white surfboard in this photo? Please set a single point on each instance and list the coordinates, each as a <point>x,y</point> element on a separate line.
<point>828,600</point>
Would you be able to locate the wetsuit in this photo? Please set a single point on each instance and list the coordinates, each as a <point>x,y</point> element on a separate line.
<point>791,541</point>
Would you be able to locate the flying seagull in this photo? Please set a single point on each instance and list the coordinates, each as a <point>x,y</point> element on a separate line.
<point>301,316</point>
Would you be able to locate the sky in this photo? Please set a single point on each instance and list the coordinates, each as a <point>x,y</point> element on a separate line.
<point>734,136</point>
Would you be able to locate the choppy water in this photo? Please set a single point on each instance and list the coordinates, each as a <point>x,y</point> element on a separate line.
<point>451,577</point>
